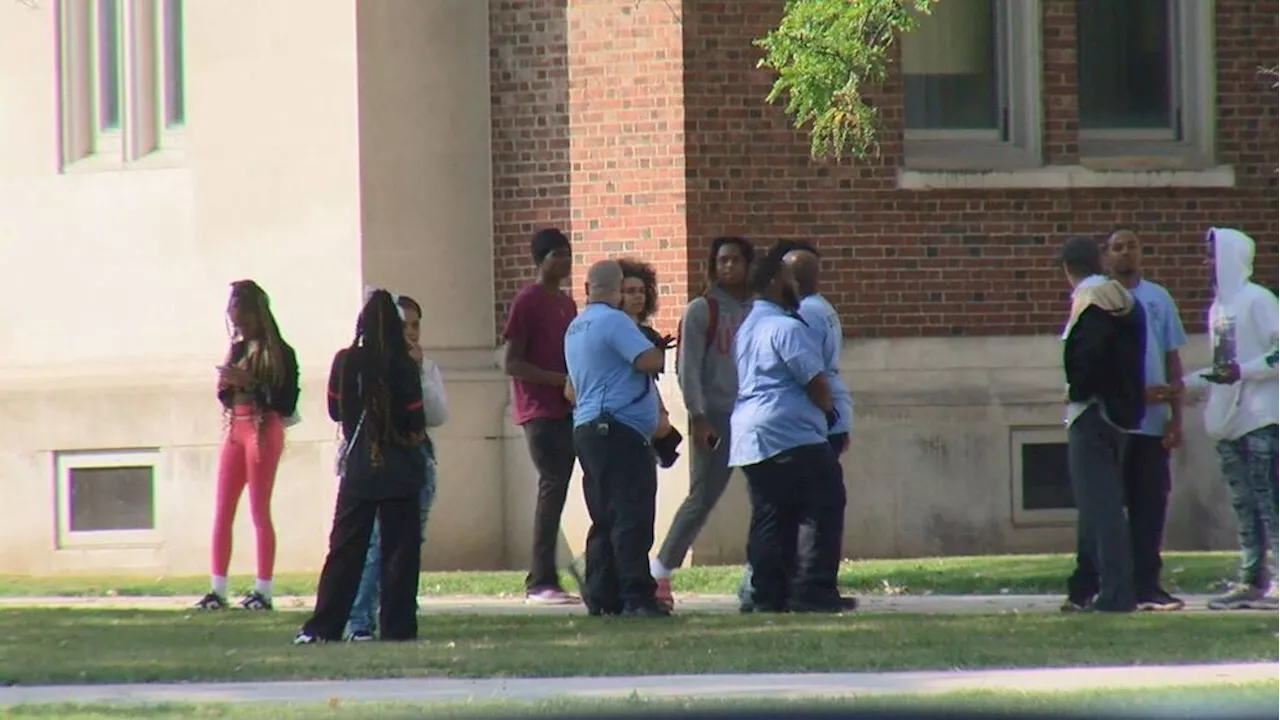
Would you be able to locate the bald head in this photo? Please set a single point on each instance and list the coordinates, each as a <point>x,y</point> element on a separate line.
<point>804,268</point>
<point>604,281</point>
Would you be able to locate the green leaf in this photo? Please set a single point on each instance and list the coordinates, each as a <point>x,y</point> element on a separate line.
<point>824,52</point>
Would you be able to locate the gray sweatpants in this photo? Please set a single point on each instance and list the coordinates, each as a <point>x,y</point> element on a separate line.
<point>708,476</point>
<point>1095,458</point>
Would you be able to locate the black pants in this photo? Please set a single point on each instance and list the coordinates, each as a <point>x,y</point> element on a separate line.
<point>798,488</point>
<point>1145,474</point>
<point>551,447</point>
<point>620,484</point>
<point>401,545</point>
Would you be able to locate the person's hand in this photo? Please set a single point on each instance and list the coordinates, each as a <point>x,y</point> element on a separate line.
<point>668,342</point>
<point>1158,394</point>
<point>569,394</point>
<point>415,352</point>
<point>1172,436</point>
<point>844,445</point>
<point>702,432</point>
<point>1229,374</point>
<point>664,425</point>
<point>235,377</point>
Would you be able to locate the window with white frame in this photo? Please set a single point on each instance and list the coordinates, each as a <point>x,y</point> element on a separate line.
<point>106,498</point>
<point>121,80</point>
<point>1145,79</point>
<point>971,86</point>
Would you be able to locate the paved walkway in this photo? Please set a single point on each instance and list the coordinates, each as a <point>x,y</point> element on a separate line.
<point>432,690</point>
<point>688,603</point>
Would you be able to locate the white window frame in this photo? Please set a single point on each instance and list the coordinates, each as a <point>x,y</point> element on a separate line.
<point>142,139</point>
<point>1018,68</point>
<point>66,461</point>
<point>1019,436</point>
<point>1191,142</point>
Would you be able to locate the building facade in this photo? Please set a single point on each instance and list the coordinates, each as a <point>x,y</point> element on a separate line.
<point>157,150</point>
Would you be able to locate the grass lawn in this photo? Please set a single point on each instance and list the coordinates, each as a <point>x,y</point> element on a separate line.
<point>1217,701</point>
<point>1032,574</point>
<point>51,646</point>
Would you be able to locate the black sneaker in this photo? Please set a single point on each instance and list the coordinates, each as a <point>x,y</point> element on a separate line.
<point>256,601</point>
<point>1077,605</point>
<point>647,611</point>
<point>360,636</point>
<point>1159,601</point>
<point>212,601</point>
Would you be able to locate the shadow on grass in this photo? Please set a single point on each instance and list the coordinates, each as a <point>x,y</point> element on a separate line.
<point>79,646</point>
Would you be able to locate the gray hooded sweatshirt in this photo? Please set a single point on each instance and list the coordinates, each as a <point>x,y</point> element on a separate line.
<point>705,366</point>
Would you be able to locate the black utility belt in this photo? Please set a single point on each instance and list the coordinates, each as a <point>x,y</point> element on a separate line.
<point>606,425</point>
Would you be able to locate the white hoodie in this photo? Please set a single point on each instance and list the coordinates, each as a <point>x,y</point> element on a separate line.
<point>1243,327</point>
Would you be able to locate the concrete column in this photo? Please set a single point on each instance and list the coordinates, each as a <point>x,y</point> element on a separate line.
<point>426,209</point>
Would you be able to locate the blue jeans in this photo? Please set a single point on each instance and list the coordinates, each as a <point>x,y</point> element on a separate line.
<point>1249,467</point>
<point>364,609</point>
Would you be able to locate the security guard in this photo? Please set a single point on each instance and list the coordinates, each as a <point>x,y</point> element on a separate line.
<point>611,364</point>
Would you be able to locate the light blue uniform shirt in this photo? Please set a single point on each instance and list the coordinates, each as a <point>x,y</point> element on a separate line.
<point>776,357</point>
<point>824,322</point>
<point>1164,335</point>
<point>599,348</point>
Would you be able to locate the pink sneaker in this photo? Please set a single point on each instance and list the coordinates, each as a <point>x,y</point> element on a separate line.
<point>550,596</point>
<point>662,594</point>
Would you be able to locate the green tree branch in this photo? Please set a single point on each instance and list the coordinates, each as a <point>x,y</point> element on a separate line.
<point>823,53</point>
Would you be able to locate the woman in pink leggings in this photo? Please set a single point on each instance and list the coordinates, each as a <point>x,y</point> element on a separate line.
<point>258,388</point>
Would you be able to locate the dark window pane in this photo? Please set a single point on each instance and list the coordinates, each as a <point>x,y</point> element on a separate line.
<point>108,65</point>
<point>111,498</point>
<point>175,110</point>
<point>1046,485</point>
<point>1123,71</point>
<point>950,80</point>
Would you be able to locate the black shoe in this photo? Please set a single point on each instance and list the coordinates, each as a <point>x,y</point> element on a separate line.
<point>1076,604</point>
<point>649,611</point>
<point>255,600</point>
<point>1159,601</point>
<point>302,638</point>
<point>212,601</point>
<point>360,636</point>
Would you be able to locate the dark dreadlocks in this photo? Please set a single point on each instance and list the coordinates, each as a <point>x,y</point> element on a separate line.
<point>379,349</point>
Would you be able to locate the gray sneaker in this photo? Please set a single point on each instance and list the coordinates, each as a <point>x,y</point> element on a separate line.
<point>1244,597</point>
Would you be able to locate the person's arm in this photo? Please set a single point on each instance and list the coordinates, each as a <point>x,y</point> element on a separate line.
<point>284,397</point>
<point>336,369</point>
<point>691,355</point>
<point>226,392</point>
<point>1175,337</point>
<point>802,358</point>
<point>406,398</point>
<point>1265,318</point>
<point>625,338</point>
<point>569,393</point>
<point>435,402</point>
<point>516,333</point>
<point>1088,350</point>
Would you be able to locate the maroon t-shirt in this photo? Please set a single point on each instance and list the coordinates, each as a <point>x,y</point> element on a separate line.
<point>540,319</point>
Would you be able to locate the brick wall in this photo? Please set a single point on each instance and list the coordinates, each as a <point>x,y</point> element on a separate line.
<point>915,263</point>
<point>626,118</point>
<point>529,90</point>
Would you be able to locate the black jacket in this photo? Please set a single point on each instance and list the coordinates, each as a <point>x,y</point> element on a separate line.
<point>402,471</point>
<point>281,398</point>
<point>1104,356</point>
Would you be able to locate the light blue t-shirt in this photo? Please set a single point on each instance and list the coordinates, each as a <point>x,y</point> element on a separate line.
<point>1164,335</point>
<point>824,322</point>
<point>599,348</point>
<point>776,357</point>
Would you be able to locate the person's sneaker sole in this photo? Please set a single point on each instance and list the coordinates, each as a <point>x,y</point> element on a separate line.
<point>1157,606</point>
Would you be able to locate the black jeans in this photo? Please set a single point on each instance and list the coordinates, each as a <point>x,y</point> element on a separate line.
<point>1145,471</point>
<point>800,487</point>
<point>620,484</point>
<point>401,544</point>
<point>1095,459</point>
<point>551,447</point>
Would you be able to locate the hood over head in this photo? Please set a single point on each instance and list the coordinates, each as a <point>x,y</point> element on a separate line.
<point>1232,261</point>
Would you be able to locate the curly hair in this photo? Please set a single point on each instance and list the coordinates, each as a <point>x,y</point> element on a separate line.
<point>643,271</point>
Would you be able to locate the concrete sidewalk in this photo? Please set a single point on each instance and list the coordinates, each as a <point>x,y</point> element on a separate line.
<point>438,690</point>
<point>923,604</point>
